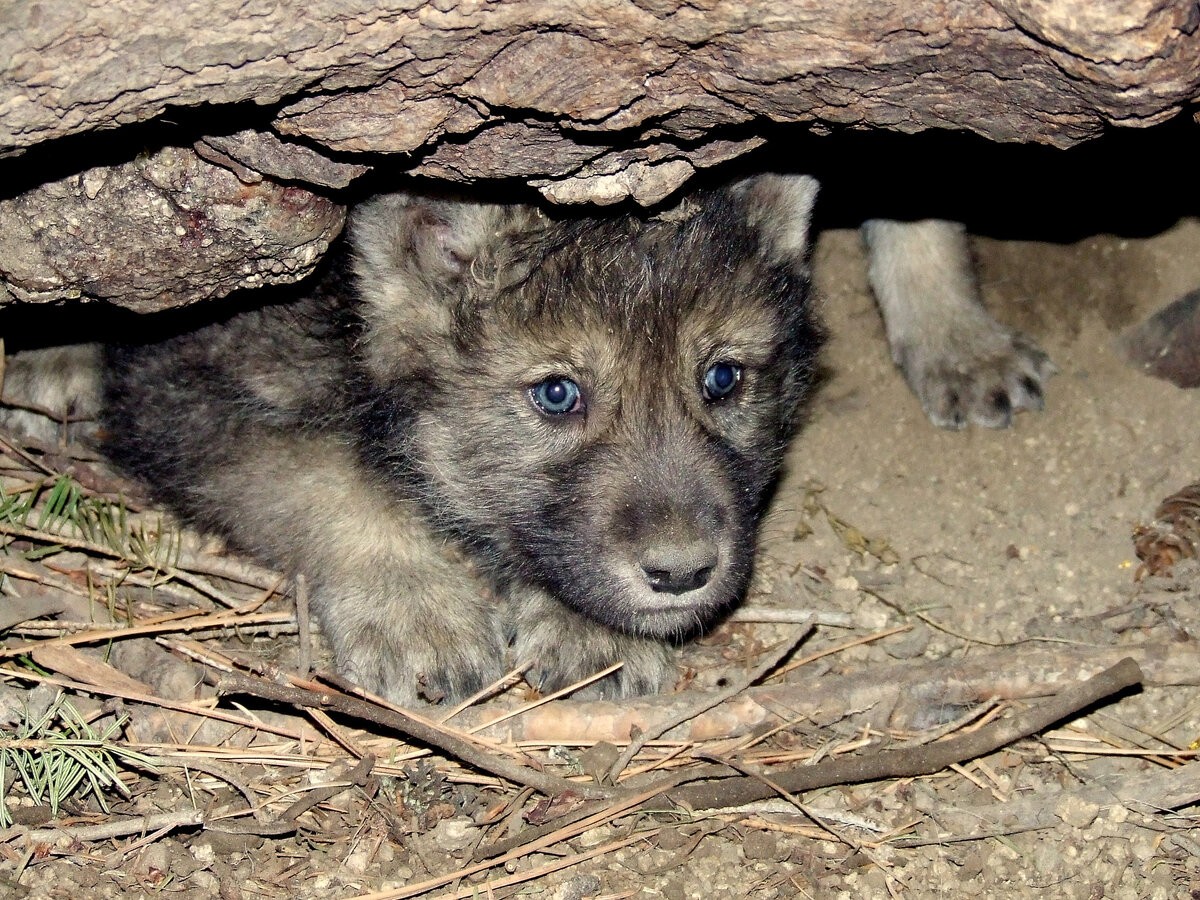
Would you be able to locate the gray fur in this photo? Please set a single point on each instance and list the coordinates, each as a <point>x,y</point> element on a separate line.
<point>56,392</point>
<point>381,434</point>
<point>377,434</point>
<point>962,364</point>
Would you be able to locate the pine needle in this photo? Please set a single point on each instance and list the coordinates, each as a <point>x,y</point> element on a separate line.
<point>56,752</point>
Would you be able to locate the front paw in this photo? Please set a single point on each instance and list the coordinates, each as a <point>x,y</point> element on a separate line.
<point>408,670</point>
<point>980,374</point>
<point>564,647</point>
<point>414,652</point>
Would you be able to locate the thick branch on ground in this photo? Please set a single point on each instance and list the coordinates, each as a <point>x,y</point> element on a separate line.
<point>691,788</point>
<point>909,696</point>
<point>921,760</point>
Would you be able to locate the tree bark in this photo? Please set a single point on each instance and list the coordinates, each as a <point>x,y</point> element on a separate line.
<point>589,101</point>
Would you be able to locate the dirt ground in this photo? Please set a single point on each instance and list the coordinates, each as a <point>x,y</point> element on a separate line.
<point>1009,535</point>
<point>999,545</point>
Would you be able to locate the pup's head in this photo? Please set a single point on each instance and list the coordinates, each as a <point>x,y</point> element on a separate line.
<point>596,405</point>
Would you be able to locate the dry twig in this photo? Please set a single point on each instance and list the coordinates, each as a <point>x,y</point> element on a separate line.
<point>456,743</point>
<point>183,818</point>
<point>910,763</point>
<point>706,703</point>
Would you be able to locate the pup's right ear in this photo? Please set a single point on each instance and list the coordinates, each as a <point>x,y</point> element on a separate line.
<point>415,236</point>
<point>412,256</point>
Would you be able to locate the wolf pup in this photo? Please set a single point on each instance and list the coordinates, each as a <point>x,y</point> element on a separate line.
<point>498,432</point>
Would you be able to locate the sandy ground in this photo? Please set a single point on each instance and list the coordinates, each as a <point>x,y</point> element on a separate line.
<point>1007,540</point>
<point>1012,540</point>
<point>1009,535</point>
<point>1063,487</point>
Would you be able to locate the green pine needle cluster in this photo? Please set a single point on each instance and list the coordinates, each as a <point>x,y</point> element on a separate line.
<point>57,752</point>
<point>63,507</point>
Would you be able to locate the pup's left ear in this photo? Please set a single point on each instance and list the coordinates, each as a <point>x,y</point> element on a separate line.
<point>780,207</point>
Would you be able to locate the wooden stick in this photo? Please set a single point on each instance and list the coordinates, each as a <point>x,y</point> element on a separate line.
<point>915,761</point>
<point>894,695</point>
<point>427,732</point>
<point>708,702</point>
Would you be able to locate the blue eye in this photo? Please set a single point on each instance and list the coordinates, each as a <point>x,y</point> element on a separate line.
<point>721,380</point>
<point>556,396</point>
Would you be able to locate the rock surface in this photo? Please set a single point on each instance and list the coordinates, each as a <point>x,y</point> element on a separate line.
<point>164,230</point>
<point>591,101</point>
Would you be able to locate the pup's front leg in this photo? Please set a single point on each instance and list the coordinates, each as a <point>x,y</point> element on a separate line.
<point>565,647</point>
<point>962,364</point>
<point>409,627</point>
<point>406,619</point>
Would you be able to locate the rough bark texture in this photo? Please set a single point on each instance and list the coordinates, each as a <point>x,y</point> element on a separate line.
<point>588,101</point>
<point>163,230</point>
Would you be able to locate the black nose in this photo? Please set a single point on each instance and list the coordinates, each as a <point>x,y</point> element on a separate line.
<point>678,568</point>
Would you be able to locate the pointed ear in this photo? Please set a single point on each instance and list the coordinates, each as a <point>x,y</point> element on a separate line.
<point>414,236</point>
<point>412,256</point>
<point>780,207</point>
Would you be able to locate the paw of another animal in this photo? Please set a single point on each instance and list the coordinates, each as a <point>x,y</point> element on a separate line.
<point>564,648</point>
<point>981,377</point>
